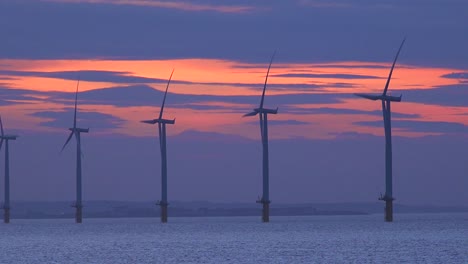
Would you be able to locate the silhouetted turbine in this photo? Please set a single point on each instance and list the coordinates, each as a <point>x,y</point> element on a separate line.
<point>6,203</point>
<point>263,114</point>
<point>386,99</point>
<point>162,143</point>
<point>77,132</point>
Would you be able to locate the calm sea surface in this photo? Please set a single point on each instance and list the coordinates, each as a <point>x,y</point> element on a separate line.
<point>412,238</point>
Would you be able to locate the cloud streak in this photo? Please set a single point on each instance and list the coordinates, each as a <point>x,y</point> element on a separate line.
<point>329,75</point>
<point>422,126</point>
<point>179,5</point>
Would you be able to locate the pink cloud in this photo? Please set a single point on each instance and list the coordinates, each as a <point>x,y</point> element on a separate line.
<point>186,6</point>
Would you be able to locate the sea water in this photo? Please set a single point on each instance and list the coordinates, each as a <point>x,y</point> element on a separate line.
<point>412,238</point>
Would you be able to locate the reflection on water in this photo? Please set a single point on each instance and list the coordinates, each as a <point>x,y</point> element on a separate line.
<point>413,238</point>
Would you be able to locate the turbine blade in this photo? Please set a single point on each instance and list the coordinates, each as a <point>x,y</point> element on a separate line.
<point>68,140</point>
<point>1,125</point>
<point>76,102</point>
<point>368,96</point>
<point>164,100</point>
<point>251,113</point>
<point>393,66</point>
<point>149,121</point>
<point>266,80</point>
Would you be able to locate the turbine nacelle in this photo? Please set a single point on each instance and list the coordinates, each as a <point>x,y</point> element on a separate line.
<point>380,97</point>
<point>79,130</point>
<point>262,110</point>
<point>8,137</point>
<point>160,121</point>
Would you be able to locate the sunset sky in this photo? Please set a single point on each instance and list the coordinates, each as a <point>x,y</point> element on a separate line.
<point>326,144</point>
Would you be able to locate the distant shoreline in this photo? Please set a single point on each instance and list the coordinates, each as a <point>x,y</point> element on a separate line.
<point>122,209</point>
<point>128,212</point>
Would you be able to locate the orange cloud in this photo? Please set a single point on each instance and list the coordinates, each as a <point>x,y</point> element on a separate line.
<point>228,78</point>
<point>219,77</point>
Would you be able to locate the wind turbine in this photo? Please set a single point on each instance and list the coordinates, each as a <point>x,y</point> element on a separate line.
<point>162,144</point>
<point>386,99</point>
<point>77,132</point>
<point>6,204</point>
<point>263,114</point>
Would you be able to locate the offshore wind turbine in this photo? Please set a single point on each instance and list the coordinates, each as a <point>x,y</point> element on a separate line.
<point>263,114</point>
<point>386,99</point>
<point>77,132</point>
<point>162,145</point>
<point>6,203</point>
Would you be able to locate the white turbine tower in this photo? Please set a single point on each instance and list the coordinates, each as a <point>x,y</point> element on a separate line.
<point>386,99</point>
<point>263,114</point>
<point>162,143</point>
<point>77,131</point>
<point>6,203</point>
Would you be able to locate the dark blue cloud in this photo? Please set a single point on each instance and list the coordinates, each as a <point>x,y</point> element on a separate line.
<point>456,75</point>
<point>16,96</point>
<point>91,76</point>
<point>210,107</point>
<point>343,111</point>
<point>352,135</point>
<point>273,121</point>
<point>421,126</point>
<point>199,136</point>
<point>302,86</point>
<point>141,95</point>
<point>124,77</point>
<point>4,78</point>
<point>370,66</point>
<point>360,32</point>
<point>93,120</point>
<point>327,75</point>
<point>448,95</point>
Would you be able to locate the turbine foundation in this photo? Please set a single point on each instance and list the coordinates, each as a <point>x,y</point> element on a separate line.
<point>266,212</point>
<point>79,215</point>
<point>163,213</point>
<point>389,210</point>
<point>6,216</point>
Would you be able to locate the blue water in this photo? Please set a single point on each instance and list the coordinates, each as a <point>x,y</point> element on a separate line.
<point>412,238</point>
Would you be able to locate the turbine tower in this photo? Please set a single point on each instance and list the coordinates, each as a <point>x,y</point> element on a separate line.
<point>386,99</point>
<point>162,144</point>
<point>6,204</point>
<point>263,114</point>
<point>77,132</point>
